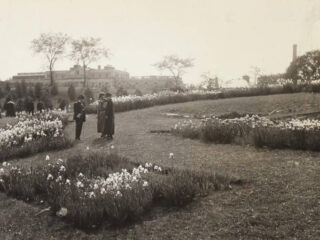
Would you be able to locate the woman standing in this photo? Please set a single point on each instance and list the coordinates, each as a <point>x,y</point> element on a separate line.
<point>109,118</point>
<point>101,114</point>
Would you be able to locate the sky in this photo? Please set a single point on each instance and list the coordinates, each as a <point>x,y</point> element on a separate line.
<point>224,37</point>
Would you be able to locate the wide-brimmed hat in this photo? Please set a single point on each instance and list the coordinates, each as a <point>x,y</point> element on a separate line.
<point>101,94</point>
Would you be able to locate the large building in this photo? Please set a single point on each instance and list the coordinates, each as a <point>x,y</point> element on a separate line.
<point>95,78</point>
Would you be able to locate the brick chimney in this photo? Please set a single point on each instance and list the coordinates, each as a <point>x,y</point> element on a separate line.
<point>294,53</point>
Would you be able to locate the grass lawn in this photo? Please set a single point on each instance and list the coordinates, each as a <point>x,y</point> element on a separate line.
<point>264,105</point>
<point>278,200</point>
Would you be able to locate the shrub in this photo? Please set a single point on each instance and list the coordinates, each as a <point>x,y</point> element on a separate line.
<point>121,92</point>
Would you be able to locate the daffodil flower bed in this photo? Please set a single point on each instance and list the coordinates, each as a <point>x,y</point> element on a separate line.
<point>256,130</point>
<point>30,134</point>
<point>131,102</point>
<point>119,195</point>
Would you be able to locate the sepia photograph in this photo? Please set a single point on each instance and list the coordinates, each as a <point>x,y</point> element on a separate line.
<point>159,119</point>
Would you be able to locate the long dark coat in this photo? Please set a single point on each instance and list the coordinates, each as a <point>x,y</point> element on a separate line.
<point>109,119</point>
<point>10,109</point>
<point>101,114</point>
<point>79,113</point>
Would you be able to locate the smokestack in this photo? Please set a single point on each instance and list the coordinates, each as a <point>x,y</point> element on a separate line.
<point>294,54</point>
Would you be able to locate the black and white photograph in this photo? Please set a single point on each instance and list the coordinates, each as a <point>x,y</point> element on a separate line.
<point>159,119</point>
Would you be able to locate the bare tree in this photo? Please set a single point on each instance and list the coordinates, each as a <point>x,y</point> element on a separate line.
<point>52,46</point>
<point>175,65</point>
<point>86,51</point>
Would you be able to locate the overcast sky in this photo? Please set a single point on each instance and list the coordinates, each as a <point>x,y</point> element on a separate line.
<point>225,37</point>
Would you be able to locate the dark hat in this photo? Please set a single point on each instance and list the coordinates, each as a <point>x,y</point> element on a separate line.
<point>81,97</point>
<point>101,94</point>
<point>108,94</point>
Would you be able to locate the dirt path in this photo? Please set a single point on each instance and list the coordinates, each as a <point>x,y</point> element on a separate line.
<point>280,200</point>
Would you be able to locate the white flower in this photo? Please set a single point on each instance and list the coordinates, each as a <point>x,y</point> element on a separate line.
<point>79,184</point>
<point>59,179</point>
<point>118,194</point>
<point>148,165</point>
<point>62,212</point>
<point>4,164</point>
<point>91,195</point>
<point>68,182</point>
<point>95,187</point>
<point>49,177</point>
<point>47,158</point>
<point>145,184</point>
<point>103,191</point>
<point>81,175</point>
<point>62,168</point>
<point>1,170</point>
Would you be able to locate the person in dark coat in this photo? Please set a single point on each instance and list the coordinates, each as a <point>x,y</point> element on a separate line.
<point>79,115</point>
<point>101,113</point>
<point>108,129</point>
<point>10,109</point>
<point>40,106</point>
<point>30,106</point>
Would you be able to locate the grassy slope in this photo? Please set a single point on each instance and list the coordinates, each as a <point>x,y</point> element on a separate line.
<point>279,200</point>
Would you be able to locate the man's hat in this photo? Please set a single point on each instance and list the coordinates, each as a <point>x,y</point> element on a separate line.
<point>81,97</point>
<point>101,94</point>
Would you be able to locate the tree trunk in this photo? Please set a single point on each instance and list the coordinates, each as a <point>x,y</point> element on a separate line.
<point>51,77</point>
<point>84,76</point>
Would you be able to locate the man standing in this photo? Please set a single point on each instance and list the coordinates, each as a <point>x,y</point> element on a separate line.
<point>108,129</point>
<point>79,115</point>
<point>101,114</point>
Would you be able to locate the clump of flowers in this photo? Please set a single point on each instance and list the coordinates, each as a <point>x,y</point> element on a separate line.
<point>86,198</point>
<point>29,128</point>
<point>124,103</point>
<point>294,133</point>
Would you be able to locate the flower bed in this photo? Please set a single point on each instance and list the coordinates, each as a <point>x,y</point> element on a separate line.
<point>256,130</point>
<point>93,187</point>
<point>40,132</point>
<point>132,102</point>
